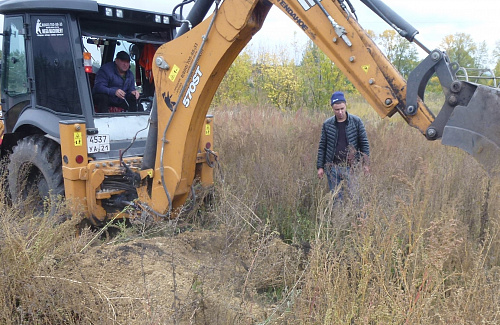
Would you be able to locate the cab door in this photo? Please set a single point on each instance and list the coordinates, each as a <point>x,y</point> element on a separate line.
<point>16,86</point>
<point>54,64</point>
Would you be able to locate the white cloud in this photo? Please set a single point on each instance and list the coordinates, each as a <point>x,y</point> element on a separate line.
<point>433,18</point>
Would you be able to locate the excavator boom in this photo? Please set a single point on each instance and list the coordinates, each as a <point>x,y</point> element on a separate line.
<point>189,69</point>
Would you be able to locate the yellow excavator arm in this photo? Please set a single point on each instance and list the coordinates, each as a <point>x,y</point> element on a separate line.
<point>189,69</point>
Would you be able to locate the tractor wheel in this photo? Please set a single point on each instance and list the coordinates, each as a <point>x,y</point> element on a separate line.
<point>35,172</point>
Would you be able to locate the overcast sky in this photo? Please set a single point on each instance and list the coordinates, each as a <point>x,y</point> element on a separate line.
<point>434,19</point>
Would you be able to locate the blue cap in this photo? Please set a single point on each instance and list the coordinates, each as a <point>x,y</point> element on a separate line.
<point>337,97</point>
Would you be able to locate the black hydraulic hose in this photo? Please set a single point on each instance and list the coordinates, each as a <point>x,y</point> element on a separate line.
<point>195,16</point>
<point>180,5</point>
<point>352,9</point>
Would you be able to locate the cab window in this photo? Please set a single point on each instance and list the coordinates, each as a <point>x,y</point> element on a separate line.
<point>15,73</point>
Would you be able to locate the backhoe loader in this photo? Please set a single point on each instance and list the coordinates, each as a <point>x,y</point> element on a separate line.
<point>133,163</point>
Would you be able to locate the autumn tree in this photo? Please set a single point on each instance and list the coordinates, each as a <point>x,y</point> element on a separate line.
<point>460,48</point>
<point>482,73</point>
<point>276,76</point>
<point>474,58</point>
<point>402,54</point>
<point>496,58</point>
<point>321,77</point>
<point>481,57</point>
<point>236,87</point>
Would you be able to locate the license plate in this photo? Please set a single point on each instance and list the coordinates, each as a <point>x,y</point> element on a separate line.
<point>98,143</point>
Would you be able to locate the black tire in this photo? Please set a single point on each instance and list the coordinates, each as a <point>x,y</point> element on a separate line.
<point>35,171</point>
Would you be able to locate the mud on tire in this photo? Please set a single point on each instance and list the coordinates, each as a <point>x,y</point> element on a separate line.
<point>35,171</point>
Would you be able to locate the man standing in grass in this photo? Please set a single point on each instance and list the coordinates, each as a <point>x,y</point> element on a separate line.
<point>343,145</point>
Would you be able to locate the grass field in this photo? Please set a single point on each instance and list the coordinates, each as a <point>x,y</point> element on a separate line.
<point>417,243</point>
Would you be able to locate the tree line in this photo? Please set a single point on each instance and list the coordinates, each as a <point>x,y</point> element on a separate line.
<point>277,79</point>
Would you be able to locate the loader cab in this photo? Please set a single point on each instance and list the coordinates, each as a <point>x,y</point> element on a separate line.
<point>51,53</point>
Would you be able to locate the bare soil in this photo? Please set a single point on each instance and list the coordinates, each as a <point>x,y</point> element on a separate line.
<point>196,277</point>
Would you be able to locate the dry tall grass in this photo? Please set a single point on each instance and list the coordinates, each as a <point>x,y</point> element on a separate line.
<point>417,243</point>
<point>30,248</point>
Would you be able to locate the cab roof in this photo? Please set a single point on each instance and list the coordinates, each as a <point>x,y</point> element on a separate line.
<point>12,6</point>
<point>92,10</point>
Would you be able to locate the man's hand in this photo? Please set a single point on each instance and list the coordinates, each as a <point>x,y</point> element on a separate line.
<point>120,93</point>
<point>321,172</point>
<point>135,93</point>
<point>366,169</point>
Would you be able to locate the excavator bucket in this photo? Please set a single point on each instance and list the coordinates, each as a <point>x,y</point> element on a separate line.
<point>475,128</point>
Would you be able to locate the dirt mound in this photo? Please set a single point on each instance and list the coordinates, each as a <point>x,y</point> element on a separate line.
<point>199,277</point>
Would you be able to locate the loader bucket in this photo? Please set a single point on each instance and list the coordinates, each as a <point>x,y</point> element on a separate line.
<point>475,128</point>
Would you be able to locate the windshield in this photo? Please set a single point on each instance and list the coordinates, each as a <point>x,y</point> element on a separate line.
<point>105,39</point>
